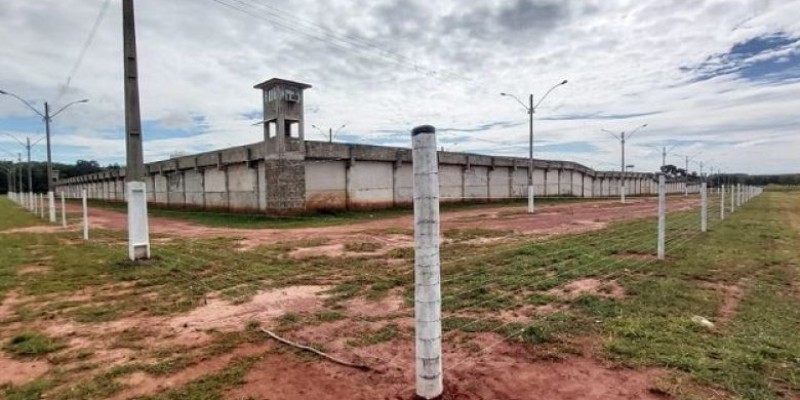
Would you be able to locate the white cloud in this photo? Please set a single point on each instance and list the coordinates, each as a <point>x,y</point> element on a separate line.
<point>200,59</point>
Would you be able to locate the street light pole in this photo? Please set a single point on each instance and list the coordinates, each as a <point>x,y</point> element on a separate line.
<point>30,174</point>
<point>531,109</point>
<point>622,139</point>
<point>531,190</point>
<point>622,168</point>
<point>331,133</point>
<point>19,171</point>
<point>47,117</point>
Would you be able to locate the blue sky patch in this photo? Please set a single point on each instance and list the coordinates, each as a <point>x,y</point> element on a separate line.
<point>768,58</point>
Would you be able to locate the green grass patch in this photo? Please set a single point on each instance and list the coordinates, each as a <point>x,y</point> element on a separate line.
<point>32,344</point>
<point>373,337</point>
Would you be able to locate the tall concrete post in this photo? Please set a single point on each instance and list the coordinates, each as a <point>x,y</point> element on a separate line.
<point>85,215</point>
<point>63,211</point>
<point>41,205</point>
<point>733,198</point>
<point>703,207</point>
<point>427,278</point>
<point>662,219</point>
<point>138,228</point>
<point>622,189</point>
<point>722,202</point>
<point>739,195</point>
<point>531,190</point>
<point>51,203</point>
<point>50,195</point>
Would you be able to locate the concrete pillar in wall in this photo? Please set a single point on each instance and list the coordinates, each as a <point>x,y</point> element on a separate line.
<point>395,189</point>
<point>464,182</point>
<point>511,179</point>
<point>227,187</point>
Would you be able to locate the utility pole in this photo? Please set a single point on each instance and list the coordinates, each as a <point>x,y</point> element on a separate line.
<point>47,117</point>
<point>531,189</point>
<point>622,140</point>
<point>531,109</point>
<point>19,172</point>
<point>49,153</point>
<point>686,185</point>
<point>331,133</point>
<point>30,173</point>
<point>138,229</point>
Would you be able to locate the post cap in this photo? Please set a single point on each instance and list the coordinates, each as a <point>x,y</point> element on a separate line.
<point>423,129</point>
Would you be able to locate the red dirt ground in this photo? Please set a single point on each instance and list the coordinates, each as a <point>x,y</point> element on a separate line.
<point>549,220</point>
<point>480,366</point>
<point>511,372</point>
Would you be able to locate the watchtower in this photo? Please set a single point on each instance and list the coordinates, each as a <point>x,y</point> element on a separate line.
<point>284,149</point>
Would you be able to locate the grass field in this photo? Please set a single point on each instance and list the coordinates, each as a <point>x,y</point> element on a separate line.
<point>744,275</point>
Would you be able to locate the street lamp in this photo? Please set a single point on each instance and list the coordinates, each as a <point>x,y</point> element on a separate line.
<point>686,160</point>
<point>331,134</point>
<point>47,117</point>
<point>27,145</point>
<point>531,109</point>
<point>621,137</point>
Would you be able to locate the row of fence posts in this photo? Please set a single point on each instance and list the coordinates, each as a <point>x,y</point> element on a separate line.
<point>427,271</point>
<point>35,203</point>
<point>739,195</point>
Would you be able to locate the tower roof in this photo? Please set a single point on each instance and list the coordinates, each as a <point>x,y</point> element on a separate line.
<point>277,81</point>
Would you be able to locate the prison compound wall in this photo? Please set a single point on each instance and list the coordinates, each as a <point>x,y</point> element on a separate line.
<point>351,176</point>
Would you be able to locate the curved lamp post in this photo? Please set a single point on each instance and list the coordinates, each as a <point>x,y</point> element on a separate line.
<point>621,137</point>
<point>47,117</point>
<point>531,109</point>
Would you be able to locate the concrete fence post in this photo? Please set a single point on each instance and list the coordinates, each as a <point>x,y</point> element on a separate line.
<point>662,220</point>
<point>703,207</point>
<point>85,216</point>
<point>722,203</point>
<point>51,205</point>
<point>427,293</point>
<point>41,205</point>
<point>138,227</point>
<point>739,195</point>
<point>63,211</point>
<point>733,199</point>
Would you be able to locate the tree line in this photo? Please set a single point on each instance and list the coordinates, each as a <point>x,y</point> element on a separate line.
<point>39,173</point>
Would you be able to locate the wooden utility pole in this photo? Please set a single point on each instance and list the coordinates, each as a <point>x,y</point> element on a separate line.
<point>138,229</point>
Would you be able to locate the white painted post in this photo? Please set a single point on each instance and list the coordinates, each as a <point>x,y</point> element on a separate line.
<point>733,199</point>
<point>662,220</point>
<point>138,227</point>
<point>531,208</point>
<point>63,211</point>
<point>739,195</point>
<point>427,293</point>
<point>51,203</point>
<point>722,203</point>
<point>41,205</point>
<point>85,216</point>
<point>703,207</point>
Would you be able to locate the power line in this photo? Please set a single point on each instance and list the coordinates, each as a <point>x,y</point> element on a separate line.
<point>86,45</point>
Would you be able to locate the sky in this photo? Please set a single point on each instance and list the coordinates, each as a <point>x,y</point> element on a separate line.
<point>715,80</point>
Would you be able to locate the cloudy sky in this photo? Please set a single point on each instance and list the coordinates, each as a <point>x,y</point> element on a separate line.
<point>718,80</point>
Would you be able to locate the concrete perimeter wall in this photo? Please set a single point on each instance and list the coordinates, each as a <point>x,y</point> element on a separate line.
<point>349,176</point>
